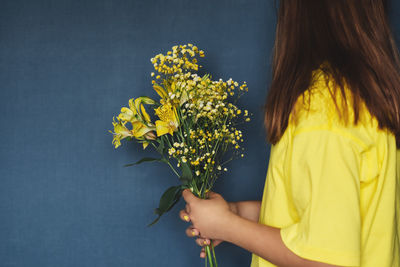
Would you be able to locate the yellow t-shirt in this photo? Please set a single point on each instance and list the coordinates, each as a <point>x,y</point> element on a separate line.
<point>334,190</point>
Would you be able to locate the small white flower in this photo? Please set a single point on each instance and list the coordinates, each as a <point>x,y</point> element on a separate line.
<point>197,173</point>
<point>219,167</point>
<point>225,169</point>
<point>171,151</point>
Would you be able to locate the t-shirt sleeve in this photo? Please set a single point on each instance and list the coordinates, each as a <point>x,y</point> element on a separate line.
<point>323,171</point>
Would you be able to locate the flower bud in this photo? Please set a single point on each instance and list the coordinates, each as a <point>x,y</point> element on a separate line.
<point>150,135</point>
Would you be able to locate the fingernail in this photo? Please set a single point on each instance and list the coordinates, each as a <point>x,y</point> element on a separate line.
<point>186,218</point>
<point>193,233</point>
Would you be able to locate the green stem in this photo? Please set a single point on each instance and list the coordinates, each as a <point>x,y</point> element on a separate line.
<point>208,253</point>
<point>173,169</point>
<point>167,161</point>
<point>213,252</point>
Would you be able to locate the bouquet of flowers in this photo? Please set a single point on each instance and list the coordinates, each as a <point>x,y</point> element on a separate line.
<point>192,127</point>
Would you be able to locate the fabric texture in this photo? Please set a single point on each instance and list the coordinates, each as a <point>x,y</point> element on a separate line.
<point>332,187</point>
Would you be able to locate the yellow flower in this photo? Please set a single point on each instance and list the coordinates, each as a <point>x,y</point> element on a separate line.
<point>145,144</point>
<point>184,98</point>
<point>144,113</point>
<point>160,91</point>
<point>172,88</point>
<point>120,132</point>
<point>168,122</point>
<point>136,110</point>
<point>128,114</point>
<point>139,129</point>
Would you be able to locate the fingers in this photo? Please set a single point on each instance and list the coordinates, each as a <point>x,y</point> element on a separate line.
<point>201,241</point>
<point>202,253</point>
<point>191,231</point>
<point>188,196</point>
<point>187,208</point>
<point>212,195</point>
<point>184,215</point>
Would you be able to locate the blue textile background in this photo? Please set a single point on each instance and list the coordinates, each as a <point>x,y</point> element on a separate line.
<point>66,68</point>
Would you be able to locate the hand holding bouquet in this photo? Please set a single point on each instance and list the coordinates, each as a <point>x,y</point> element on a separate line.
<point>193,125</point>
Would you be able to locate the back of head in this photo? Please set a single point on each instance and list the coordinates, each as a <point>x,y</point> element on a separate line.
<point>354,36</point>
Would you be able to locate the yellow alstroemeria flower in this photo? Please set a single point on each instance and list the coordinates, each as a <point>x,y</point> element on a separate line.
<point>140,108</point>
<point>120,132</point>
<point>168,122</point>
<point>136,110</point>
<point>148,136</point>
<point>139,129</point>
<point>128,114</point>
<point>166,91</point>
<point>144,113</point>
<point>160,91</point>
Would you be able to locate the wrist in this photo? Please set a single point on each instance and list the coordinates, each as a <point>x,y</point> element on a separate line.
<point>229,226</point>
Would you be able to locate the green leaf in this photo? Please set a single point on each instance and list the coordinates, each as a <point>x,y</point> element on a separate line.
<point>169,198</point>
<point>153,222</point>
<point>187,174</point>
<point>142,160</point>
<point>184,180</point>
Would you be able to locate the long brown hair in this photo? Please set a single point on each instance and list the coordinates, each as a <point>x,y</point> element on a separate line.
<point>354,36</point>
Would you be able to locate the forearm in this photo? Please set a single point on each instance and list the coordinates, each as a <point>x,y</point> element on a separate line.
<point>249,209</point>
<point>264,241</point>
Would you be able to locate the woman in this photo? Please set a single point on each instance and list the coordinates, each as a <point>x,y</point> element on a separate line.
<point>332,115</point>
